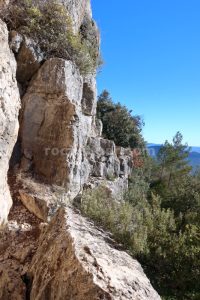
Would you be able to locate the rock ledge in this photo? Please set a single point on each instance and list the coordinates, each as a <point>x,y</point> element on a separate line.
<point>76,261</point>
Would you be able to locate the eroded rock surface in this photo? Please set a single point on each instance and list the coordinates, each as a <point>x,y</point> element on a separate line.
<point>75,261</point>
<point>105,159</point>
<point>58,130</point>
<point>9,108</point>
<point>29,59</point>
<point>54,129</point>
<point>18,243</point>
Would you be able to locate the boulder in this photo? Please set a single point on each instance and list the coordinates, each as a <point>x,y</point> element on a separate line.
<point>35,205</point>
<point>76,261</point>
<point>9,109</point>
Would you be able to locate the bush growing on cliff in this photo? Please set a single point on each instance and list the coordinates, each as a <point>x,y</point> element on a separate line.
<point>135,222</point>
<point>161,228</point>
<point>49,23</point>
<point>169,255</point>
<point>123,220</point>
<point>119,124</point>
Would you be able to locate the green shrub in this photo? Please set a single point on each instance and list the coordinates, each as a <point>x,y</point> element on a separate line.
<point>49,24</point>
<point>118,218</point>
<point>128,223</point>
<point>152,234</point>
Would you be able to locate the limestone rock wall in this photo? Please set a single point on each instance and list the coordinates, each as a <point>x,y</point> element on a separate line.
<point>54,129</point>
<point>107,160</point>
<point>9,109</point>
<point>60,142</point>
<point>76,261</point>
<point>60,136</point>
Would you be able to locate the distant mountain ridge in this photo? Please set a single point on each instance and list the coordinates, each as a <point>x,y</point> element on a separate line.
<point>194,156</point>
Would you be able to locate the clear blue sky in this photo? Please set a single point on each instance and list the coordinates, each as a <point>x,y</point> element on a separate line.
<point>151,50</point>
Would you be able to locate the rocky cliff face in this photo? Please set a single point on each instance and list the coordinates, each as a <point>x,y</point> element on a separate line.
<point>59,150</point>
<point>55,127</point>
<point>9,109</point>
<point>60,136</point>
<point>58,112</point>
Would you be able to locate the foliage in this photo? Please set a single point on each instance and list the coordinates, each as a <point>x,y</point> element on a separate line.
<point>121,219</point>
<point>119,124</point>
<point>49,23</point>
<point>172,159</point>
<point>172,177</point>
<point>158,223</point>
<point>175,270</point>
<point>131,221</point>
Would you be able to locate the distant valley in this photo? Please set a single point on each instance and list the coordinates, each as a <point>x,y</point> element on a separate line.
<point>194,157</point>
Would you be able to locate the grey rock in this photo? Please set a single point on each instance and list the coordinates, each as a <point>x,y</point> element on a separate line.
<point>9,108</point>
<point>103,158</point>
<point>97,127</point>
<point>77,10</point>
<point>54,129</point>
<point>75,260</point>
<point>29,57</point>
<point>89,96</point>
<point>15,41</point>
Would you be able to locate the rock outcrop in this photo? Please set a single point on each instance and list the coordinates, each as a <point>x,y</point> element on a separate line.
<point>58,124</point>
<point>106,160</point>
<point>75,261</point>
<point>28,55</point>
<point>54,129</point>
<point>77,10</point>
<point>58,138</point>
<point>9,109</point>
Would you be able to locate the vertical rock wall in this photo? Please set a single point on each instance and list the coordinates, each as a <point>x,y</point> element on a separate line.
<point>54,128</point>
<point>59,134</point>
<point>9,108</point>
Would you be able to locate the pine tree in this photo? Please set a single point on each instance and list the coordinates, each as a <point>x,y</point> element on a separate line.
<point>173,160</point>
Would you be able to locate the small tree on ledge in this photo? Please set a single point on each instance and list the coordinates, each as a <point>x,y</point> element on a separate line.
<point>119,125</point>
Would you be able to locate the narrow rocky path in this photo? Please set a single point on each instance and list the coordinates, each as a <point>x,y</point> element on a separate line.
<point>18,243</point>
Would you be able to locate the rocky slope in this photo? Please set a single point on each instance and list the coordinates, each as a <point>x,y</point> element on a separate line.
<point>84,264</point>
<point>58,153</point>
